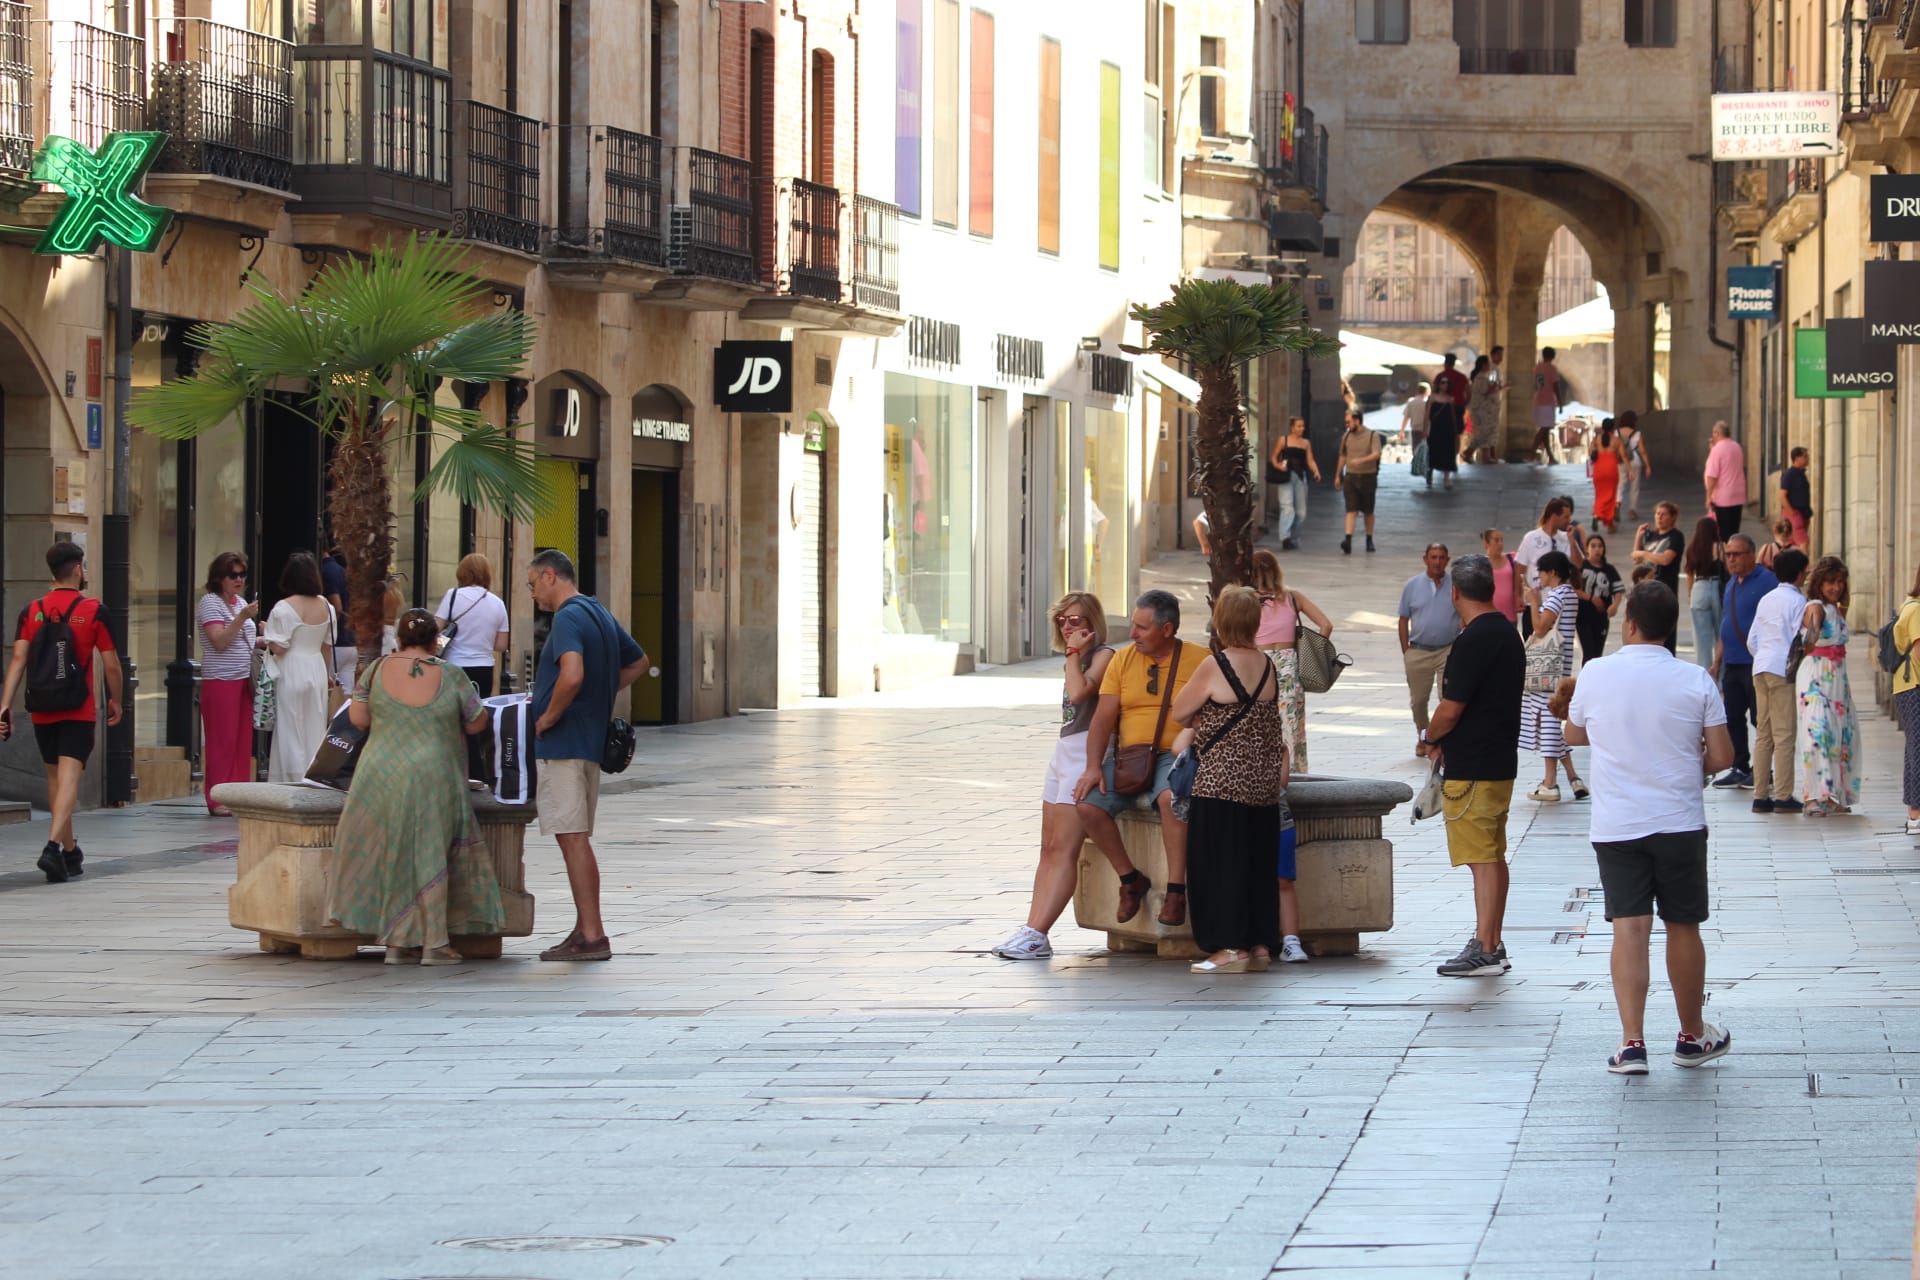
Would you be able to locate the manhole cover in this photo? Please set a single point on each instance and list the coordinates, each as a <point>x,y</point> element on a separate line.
<point>554,1244</point>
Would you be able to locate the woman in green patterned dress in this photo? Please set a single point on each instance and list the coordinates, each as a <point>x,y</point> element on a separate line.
<point>409,865</point>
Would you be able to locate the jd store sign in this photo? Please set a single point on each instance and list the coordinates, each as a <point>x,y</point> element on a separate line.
<point>753,377</point>
<point>1855,364</point>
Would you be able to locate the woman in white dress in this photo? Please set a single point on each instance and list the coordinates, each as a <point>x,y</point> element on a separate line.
<point>299,639</point>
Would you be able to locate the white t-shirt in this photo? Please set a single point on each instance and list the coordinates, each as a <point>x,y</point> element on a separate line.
<point>1534,544</point>
<point>481,616</point>
<point>1645,712</point>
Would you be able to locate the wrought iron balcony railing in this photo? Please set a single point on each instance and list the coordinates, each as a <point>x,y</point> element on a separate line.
<point>97,82</point>
<point>716,238</point>
<point>1906,30</point>
<point>617,209</point>
<point>224,95</point>
<point>813,241</point>
<point>17,139</point>
<point>497,177</point>
<point>1516,62</point>
<point>1292,148</point>
<point>876,254</point>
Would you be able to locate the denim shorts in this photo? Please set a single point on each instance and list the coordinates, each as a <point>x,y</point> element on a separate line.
<point>1113,804</point>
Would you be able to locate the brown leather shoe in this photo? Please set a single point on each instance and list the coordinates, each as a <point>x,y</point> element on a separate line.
<point>1173,908</point>
<point>1132,894</point>
<point>579,948</point>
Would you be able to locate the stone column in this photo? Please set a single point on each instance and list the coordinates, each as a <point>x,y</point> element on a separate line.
<point>1522,309</point>
<point>1632,355</point>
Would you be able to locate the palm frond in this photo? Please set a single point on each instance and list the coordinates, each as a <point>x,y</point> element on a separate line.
<point>185,407</point>
<point>1224,322</point>
<point>491,349</point>
<point>485,467</point>
<point>393,303</point>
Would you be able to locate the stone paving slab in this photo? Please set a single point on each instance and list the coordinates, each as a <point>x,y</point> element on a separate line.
<point>802,1062</point>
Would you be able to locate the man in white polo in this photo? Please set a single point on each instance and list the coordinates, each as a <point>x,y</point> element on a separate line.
<point>1657,727</point>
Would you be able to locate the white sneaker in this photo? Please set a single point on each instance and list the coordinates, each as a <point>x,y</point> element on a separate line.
<point>1025,944</point>
<point>1291,952</point>
<point>1545,793</point>
<point>1913,826</point>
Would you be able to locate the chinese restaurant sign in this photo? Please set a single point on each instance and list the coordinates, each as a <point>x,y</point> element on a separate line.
<point>1762,126</point>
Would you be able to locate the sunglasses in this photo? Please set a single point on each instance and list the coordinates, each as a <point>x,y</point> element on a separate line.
<point>238,573</point>
<point>1072,620</point>
<point>1153,679</point>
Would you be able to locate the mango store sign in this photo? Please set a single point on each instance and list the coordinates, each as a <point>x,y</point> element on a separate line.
<point>1856,364</point>
<point>100,206</point>
<point>1760,126</point>
<point>1892,304</point>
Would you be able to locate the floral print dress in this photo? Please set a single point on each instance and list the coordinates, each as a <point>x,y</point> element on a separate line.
<point>1827,733</point>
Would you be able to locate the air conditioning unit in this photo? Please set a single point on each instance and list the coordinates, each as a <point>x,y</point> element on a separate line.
<point>680,237</point>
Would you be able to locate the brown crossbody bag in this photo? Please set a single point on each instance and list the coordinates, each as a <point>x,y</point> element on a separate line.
<point>1133,766</point>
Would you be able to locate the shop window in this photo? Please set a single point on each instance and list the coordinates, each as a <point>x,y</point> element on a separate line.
<point>1212,90</point>
<point>927,515</point>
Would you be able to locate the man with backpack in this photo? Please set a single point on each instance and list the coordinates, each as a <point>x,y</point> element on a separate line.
<point>53,650</point>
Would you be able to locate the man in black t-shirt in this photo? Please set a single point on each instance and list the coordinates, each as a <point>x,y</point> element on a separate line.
<point>1662,547</point>
<point>1475,735</point>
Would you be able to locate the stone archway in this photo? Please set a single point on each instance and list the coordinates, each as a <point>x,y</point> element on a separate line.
<point>32,418</point>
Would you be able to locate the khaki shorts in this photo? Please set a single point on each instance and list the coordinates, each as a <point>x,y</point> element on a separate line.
<point>1476,817</point>
<point>568,792</point>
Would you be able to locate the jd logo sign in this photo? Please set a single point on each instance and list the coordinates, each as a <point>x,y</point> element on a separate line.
<point>100,204</point>
<point>753,377</point>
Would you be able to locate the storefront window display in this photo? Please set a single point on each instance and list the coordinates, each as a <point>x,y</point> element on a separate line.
<point>927,574</point>
<point>1105,523</point>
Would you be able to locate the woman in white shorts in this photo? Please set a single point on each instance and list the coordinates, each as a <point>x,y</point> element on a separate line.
<point>1079,627</point>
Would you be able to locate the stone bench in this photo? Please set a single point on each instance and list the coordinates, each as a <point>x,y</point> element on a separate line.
<point>1345,865</point>
<point>286,846</point>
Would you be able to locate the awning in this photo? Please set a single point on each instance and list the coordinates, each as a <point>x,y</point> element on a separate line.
<point>1172,379</point>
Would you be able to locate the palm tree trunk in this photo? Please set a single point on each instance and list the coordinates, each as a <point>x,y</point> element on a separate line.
<point>360,510</point>
<point>1225,491</point>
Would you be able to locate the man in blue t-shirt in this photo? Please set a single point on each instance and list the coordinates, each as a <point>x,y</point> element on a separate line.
<point>1747,582</point>
<point>587,660</point>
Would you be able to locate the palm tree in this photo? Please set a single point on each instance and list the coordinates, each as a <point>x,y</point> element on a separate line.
<point>372,339</point>
<point>1216,326</point>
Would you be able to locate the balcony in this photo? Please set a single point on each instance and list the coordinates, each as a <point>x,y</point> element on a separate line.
<point>612,232</point>
<point>97,82</point>
<point>224,96</point>
<point>1516,62</point>
<point>711,244</point>
<point>17,140</point>
<point>496,177</point>
<point>373,138</point>
<point>1292,149</point>
<point>1793,199</point>
<point>876,254</point>
<point>811,289</point>
<point>1410,300</point>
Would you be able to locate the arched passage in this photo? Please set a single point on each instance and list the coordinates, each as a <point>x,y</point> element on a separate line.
<point>31,417</point>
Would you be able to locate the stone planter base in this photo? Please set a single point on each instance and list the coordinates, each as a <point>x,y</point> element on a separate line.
<point>1345,883</point>
<point>286,848</point>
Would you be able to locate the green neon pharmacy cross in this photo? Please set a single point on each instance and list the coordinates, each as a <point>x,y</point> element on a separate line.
<point>100,204</point>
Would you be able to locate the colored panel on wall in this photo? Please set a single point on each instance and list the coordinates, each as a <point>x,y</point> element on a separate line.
<point>980,128</point>
<point>906,107</point>
<point>1110,166</point>
<point>946,113</point>
<point>1049,188</point>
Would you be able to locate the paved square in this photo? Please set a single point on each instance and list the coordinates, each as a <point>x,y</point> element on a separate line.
<point>802,1062</point>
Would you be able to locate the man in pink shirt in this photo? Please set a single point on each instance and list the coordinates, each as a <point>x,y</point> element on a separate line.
<point>1726,480</point>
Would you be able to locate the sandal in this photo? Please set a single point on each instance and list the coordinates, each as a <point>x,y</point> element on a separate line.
<point>1260,961</point>
<point>1238,964</point>
<point>402,955</point>
<point>441,955</point>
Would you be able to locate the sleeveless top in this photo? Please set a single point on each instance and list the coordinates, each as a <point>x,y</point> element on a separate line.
<point>1279,621</point>
<point>1077,718</point>
<point>1503,590</point>
<point>1243,766</point>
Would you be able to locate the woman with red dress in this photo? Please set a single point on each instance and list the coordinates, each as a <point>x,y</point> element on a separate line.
<point>1607,457</point>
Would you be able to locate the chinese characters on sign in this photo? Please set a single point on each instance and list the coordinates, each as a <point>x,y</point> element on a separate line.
<point>1766,126</point>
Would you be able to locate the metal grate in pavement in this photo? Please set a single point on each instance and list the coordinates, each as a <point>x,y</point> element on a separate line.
<point>554,1244</point>
<point>1876,871</point>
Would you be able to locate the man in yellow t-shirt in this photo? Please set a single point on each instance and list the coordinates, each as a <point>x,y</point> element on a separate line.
<point>1140,679</point>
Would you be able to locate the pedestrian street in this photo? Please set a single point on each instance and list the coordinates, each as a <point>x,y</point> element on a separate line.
<point>802,1061</point>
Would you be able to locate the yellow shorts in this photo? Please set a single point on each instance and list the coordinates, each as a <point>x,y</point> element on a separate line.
<point>1476,816</point>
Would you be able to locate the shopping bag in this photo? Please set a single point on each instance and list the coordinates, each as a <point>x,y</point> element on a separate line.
<point>514,770</point>
<point>339,753</point>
